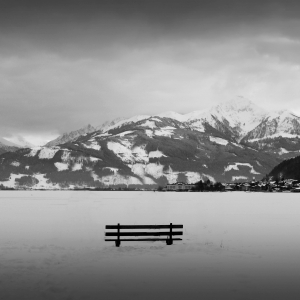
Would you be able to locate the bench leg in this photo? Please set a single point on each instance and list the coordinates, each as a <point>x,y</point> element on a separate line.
<point>118,243</point>
<point>169,242</point>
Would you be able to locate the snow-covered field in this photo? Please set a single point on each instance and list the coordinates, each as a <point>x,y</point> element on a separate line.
<point>235,246</point>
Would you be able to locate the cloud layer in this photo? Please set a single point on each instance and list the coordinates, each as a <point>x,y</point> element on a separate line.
<point>63,66</point>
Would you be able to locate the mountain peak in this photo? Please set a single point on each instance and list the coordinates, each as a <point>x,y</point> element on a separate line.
<point>71,136</point>
<point>172,115</point>
<point>237,104</point>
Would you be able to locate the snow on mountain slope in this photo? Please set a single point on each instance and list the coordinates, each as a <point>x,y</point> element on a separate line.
<point>156,150</point>
<point>123,122</point>
<point>103,127</point>
<point>233,118</point>
<point>240,113</point>
<point>275,124</point>
<point>70,136</point>
<point>173,115</point>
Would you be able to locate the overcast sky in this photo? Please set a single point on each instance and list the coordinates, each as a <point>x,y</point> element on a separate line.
<point>64,64</point>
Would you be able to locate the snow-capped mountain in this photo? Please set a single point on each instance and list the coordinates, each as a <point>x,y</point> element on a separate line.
<point>174,115</point>
<point>275,124</point>
<point>70,136</point>
<point>103,127</point>
<point>149,152</point>
<point>234,118</point>
<point>122,122</point>
<point>106,126</point>
<point>277,134</point>
<point>232,141</point>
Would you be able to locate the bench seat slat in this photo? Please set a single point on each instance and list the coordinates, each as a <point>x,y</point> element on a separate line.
<point>124,240</point>
<point>136,233</point>
<point>143,226</point>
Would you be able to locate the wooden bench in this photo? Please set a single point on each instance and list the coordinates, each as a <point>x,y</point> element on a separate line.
<point>119,235</point>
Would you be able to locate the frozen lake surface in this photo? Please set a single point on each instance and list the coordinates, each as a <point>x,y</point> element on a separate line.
<point>235,246</point>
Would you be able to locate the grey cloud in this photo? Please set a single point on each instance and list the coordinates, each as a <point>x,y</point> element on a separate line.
<point>64,64</point>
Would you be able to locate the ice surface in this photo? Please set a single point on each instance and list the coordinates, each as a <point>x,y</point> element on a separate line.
<point>235,246</point>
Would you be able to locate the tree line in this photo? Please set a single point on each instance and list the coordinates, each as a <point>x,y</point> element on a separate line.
<point>207,185</point>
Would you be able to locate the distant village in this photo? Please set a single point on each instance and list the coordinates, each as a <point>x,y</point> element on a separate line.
<point>283,185</point>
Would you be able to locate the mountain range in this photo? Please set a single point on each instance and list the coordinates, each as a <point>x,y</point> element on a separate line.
<point>235,140</point>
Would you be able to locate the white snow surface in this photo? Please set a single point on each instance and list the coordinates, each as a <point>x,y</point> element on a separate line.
<point>133,119</point>
<point>48,153</point>
<point>238,145</point>
<point>42,184</point>
<point>33,151</point>
<point>11,181</point>
<point>173,115</point>
<point>156,154</point>
<point>171,175</point>
<point>234,244</point>
<point>123,152</point>
<point>193,177</point>
<point>218,140</point>
<point>235,167</point>
<point>149,124</point>
<point>124,133</point>
<point>94,145</point>
<point>155,119</point>
<point>283,151</point>
<point>155,170</point>
<point>93,159</point>
<point>77,166</point>
<point>149,133</point>
<point>140,170</point>
<point>239,112</point>
<point>15,164</point>
<point>61,166</point>
<point>165,131</point>
<point>211,178</point>
<point>276,135</point>
<point>235,178</point>
<point>198,125</point>
<point>127,154</point>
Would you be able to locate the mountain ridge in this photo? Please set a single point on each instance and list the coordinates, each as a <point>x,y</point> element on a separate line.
<point>148,151</point>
